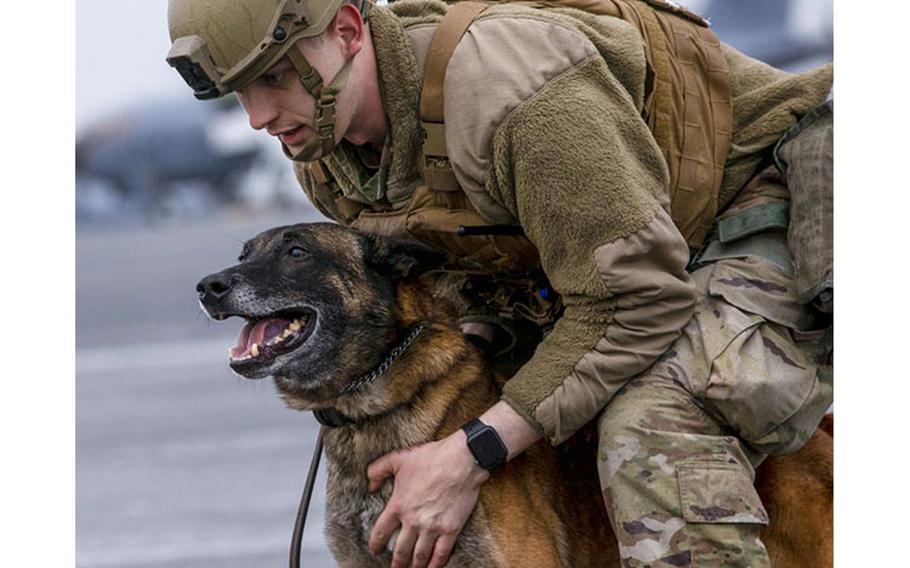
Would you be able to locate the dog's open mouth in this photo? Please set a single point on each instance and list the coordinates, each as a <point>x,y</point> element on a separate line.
<point>263,339</point>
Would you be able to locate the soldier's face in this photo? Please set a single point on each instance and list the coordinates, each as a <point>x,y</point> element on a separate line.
<point>278,102</point>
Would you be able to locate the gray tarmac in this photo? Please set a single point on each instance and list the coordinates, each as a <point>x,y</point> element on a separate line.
<point>179,463</point>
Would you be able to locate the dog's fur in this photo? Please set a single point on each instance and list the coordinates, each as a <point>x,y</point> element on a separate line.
<point>542,509</point>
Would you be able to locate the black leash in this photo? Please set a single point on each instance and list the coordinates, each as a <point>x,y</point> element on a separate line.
<point>297,537</point>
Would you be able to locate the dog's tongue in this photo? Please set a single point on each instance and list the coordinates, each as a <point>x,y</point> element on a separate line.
<point>257,332</point>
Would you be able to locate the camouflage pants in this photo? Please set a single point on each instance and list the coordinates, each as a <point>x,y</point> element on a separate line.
<point>680,443</point>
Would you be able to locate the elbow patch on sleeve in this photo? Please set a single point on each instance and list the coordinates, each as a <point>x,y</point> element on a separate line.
<point>654,300</point>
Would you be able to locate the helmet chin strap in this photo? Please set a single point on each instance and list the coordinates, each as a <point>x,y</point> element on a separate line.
<point>324,140</point>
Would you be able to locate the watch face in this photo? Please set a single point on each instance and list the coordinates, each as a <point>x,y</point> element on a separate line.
<point>487,447</point>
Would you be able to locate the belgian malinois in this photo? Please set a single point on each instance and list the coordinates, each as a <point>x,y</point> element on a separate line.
<point>327,308</point>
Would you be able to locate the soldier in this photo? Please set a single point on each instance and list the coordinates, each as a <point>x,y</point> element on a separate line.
<point>569,160</point>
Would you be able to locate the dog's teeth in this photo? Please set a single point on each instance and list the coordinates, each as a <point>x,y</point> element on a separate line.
<point>287,333</point>
<point>254,350</point>
<point>295,325</point>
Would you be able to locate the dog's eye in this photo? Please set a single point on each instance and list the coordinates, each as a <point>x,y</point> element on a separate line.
<point>296,252</point>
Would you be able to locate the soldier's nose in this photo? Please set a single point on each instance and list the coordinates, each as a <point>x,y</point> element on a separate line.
<point>260,108</point>
<point>214,286</point>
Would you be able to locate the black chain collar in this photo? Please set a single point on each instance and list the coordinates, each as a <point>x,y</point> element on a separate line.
<point>331,417</point>
<point>393,355</point>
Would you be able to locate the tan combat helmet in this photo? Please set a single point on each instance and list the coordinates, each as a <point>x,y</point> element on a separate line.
<point>219,46</point>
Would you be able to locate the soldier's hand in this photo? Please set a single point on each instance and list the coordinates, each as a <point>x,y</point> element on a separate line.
<point>435,490</point>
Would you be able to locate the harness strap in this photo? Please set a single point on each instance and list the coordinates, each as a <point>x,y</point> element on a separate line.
<point>753,220</point>
<point>769,245</point>
<point>448,34</point>
<point>434,165</point>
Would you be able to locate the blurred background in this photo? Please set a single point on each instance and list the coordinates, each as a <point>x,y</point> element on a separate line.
<point>179,463</point>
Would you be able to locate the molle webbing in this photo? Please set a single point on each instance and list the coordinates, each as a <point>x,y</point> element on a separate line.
<point>687,104</point>
<point>690,113</point>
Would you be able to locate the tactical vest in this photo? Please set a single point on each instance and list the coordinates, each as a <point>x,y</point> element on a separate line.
<point>687,108</point>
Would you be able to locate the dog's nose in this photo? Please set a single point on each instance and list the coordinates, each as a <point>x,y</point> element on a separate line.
<point>214,286</point>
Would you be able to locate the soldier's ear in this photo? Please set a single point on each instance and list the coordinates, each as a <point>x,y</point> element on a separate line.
<point>398,258</point>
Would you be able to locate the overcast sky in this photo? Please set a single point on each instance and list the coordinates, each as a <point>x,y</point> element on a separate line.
<point>120,51</point>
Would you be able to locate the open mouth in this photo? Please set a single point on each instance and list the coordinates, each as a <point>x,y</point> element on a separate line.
<point>263,339</point>
<point>293,137</point>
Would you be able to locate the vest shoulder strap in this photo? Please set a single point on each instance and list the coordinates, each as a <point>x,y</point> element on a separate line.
<point>452,27</point>
<point>448,34</point>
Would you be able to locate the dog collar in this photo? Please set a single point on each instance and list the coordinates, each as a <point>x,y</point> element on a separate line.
<point>333,418</point>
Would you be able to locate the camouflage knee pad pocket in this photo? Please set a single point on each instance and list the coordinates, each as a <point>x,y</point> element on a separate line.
<point>718,492</point>
<point>723,512</point>
<point>679,491</point>
<point>738,356</point>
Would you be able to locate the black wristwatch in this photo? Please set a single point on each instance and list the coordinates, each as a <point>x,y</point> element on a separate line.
<point>485,444</point>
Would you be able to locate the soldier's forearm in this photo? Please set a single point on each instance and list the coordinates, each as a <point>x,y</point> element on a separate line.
<point>516,433</point>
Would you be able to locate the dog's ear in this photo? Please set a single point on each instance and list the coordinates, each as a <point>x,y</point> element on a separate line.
<point>398,258</point>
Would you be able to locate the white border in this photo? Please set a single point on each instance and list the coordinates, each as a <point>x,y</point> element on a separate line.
<point>872,223</point>
<point>37,414</point>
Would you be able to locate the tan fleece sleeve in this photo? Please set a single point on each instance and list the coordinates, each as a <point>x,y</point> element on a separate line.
<point>766,103</point>
<point>579,169</point>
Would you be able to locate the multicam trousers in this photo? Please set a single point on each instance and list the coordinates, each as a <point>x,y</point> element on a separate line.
<point>679,444</point>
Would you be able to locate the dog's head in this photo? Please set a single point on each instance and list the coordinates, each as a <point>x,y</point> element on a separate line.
<point>319,302</point>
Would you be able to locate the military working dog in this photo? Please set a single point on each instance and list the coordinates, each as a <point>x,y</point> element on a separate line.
<point>349,322</point>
